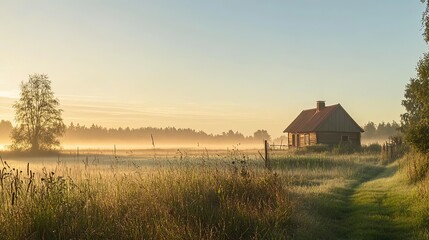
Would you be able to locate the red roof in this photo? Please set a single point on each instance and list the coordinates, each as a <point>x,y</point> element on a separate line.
<point>309,120</point>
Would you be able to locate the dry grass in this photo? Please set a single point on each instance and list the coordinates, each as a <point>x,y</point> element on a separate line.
<point>174,201</point>
<point>177,196</point>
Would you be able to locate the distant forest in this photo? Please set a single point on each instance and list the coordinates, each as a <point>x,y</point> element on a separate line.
<point>145,136</point>
<point>381,131</point>
<point>5,130</point>
<point>97,135</point>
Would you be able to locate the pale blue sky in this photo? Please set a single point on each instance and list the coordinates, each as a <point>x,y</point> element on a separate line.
<point>212,65</point>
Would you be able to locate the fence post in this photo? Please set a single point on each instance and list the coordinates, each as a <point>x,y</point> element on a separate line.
<point>267,161</point>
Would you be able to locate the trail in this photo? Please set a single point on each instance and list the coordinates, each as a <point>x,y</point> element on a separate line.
<point>377,208</point>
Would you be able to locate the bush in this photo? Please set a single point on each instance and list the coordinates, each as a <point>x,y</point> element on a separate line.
<point>343,148</point>
<point>346,148</point>
<point>418,136</point>
<point>318,148</point>
<point>371,148</point>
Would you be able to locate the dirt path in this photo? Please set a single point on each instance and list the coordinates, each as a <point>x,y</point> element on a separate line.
<point>377,208</point>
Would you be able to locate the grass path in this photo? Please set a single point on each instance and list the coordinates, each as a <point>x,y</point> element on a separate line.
<point>379,208</point>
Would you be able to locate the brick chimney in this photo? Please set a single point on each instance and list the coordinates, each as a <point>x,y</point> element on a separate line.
<point>320,105</point>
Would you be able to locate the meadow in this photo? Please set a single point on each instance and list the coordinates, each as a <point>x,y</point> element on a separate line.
<point>206,194</point>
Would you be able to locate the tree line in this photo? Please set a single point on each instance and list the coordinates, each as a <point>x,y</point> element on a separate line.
<point>96,134</point>
<point>169,135</point>
<point>381,131</point>
<point>76,133</point>
<point>5,131</point>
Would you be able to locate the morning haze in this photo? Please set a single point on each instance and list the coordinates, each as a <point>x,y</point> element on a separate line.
<point>214,119</point>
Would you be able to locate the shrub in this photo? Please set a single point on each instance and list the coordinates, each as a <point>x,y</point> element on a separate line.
<point>371,148</point>
<point>318,148</point>
<point>346,148</point>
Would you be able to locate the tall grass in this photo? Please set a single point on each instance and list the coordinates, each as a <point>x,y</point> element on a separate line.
<point>219,196</point>
<point>170,203</point>
<point>416,167</point>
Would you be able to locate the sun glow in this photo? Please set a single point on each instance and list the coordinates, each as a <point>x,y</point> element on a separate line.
<point>9,94</point>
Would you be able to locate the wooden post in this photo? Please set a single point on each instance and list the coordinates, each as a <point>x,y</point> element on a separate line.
<point>267,163</point>
<point>114,150</point>
<point>77,153</point>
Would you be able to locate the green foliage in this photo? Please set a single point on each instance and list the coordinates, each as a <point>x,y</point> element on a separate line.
<point>415,121</point>
<point>425,21</point>
<point>416,101</point>
<point>317,148</point>
<point>418,136</point>
<point>38,116</point>
<point>346,148</point>
<point>343,148</point>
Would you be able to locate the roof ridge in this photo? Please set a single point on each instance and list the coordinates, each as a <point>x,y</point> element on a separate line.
<point>334,105</point>
<point>310,119</point>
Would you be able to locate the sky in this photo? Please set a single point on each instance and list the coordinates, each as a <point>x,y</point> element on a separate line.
<point>212,65</point>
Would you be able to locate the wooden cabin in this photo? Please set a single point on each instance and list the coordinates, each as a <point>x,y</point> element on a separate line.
<point>329,125</point>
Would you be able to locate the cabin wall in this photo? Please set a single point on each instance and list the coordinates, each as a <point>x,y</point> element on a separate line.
<point>289,139</point>
<point>313,138</point>
<point>336,137</point>
<point>301,139</point>
<point>295,139</point>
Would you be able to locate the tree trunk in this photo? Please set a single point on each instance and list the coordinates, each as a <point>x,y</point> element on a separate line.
<point>35,144</point>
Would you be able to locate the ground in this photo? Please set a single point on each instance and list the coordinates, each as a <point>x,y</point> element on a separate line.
<point>203,194</point>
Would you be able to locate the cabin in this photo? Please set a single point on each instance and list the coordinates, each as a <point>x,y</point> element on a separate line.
<point>329,125</point>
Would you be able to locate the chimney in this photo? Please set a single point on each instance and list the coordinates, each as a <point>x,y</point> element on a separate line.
<point>320,105</point>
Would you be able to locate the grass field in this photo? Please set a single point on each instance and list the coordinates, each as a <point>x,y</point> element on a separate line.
<point>206,194</point>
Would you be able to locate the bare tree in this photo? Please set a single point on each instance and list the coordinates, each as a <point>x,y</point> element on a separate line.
<point>38,116</point>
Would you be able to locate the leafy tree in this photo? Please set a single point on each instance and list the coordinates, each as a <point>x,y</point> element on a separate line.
<point>262,135</point>
<point>425,21</point>
<point>416,101</point>
<point>37,115</point>
<point>370,129</point>
<point>415,121</point>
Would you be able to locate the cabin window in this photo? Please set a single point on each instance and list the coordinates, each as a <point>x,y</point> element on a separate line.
<point>344,138</point>
<point>293,139</point>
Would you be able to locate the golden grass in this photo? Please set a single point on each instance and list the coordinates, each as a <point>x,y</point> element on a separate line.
<point>208,195</point>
